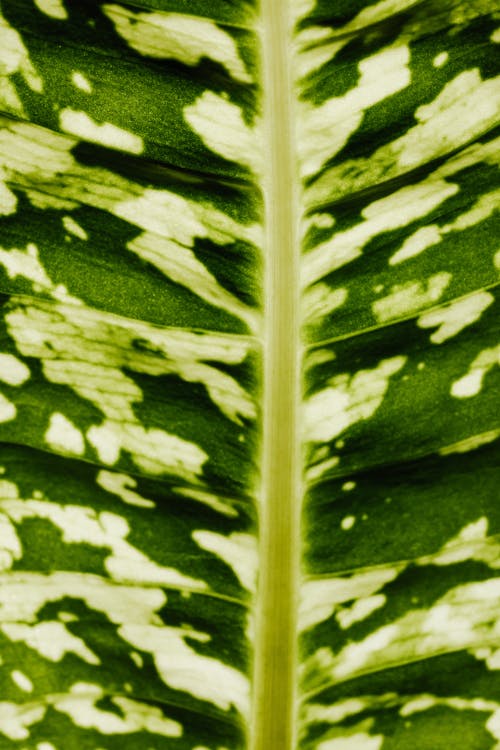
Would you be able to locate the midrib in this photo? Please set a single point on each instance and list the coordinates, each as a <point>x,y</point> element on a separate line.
<point>274,680</point>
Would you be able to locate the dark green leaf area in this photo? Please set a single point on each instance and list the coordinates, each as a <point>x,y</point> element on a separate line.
<point>105,659</point>
<point>401,512</point>
<point>383,286</point>
<point>186,410</point>
<point>135,93</point>
<point>468,49</point>
<point>52,490</point>
<point>424,406</point>
<point>384,694</point>
<point>171,404</point>
<point>144,293</point>
<point>414,592</point>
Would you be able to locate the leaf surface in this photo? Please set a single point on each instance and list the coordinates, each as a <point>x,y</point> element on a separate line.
<point>249,348</point>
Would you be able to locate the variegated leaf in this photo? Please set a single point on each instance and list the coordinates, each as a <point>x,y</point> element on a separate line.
<point>249,425</point>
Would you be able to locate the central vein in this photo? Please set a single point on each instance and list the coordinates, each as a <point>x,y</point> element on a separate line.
<point>273,723</point>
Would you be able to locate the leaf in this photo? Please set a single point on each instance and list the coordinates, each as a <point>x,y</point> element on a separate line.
<point>249,435</point>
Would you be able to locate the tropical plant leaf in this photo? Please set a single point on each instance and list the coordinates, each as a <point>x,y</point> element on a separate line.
<point>249,424</point>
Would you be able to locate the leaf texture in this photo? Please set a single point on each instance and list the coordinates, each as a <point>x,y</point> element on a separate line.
<point>134,253</point>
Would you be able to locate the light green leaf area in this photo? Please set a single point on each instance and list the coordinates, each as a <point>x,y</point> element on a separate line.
<point>153,448</point>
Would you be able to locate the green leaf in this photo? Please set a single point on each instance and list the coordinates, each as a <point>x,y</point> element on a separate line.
<point>249,383</point>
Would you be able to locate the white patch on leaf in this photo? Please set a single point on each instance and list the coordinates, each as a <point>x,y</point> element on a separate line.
<point>81,82</point>
<point>14,58</point>
<point>80,124</point>
<point>472,382</point>
<point>8,411</point>
<point>80,706</point>
<point>220,125</point>
<point>74,228</point>
<point>182,668</point>
<point>453,318</point>
<point>8,200</point>
<point>407,299</point>
<point>62,435</point>
<point>356,741</point>
<point>50,639</point>
<point>348,399</point>
<point>239,551</point>
<point>83,525</point>
<point>325,129</point>
<point>470,443</point>
<point>22,681</point>
<point>123,486</point>
<point>12,370</point>
<point>177,36</point>
<point>321,598</point>
<point>408,204</point>
<point>15,719</point>
<point>52,8</point>
<point>433,234</point>
<point>10,544</point>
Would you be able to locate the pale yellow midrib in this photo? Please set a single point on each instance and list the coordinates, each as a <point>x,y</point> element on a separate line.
<point>273,722</point>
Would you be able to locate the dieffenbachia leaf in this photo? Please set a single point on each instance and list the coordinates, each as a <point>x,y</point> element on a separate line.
<point>249,384</point>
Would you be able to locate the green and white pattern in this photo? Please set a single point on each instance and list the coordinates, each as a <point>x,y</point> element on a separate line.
<point>139,209</point>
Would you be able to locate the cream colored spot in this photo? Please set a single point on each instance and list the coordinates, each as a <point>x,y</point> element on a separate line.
<point>81,82</point>
<point>74,228</point>
<point>348,522</point>
<point>452,319</point>
<point>348,486</point>
<point>440,59</point>
<point>8,200</point>
<point>471,443</point>
<point>348,400</point>
<point>188,39</point>
<point>321,301</point>
<point>471,383</point>
<point>495,37</point>
<point>22,681</point>
<point>324,130</point>
<point>15,719</point>
<point>10,544</point>
<point>426,237</point>
<point>182,668</point>
<point>407,299</point>
<point>466,108</point>
<point>239,551</point>
<point>83,525</point>
<point>360,610</point>
<point>422,239</point>
<point>50,639</point>
<point>62,435</point>
<point>384,215</point>
<point>320,599</point>
<point>8,411</point>
<point>26,264</point>
<point>52,8</point>
<point>356,741</point>
<point>123,486</point>
<point>12,370</point>
<point>14,58</point>
<point>207,498</point>
<point>80,706</point>
<point>79,123</point>
<point>318,470</point>
<point>220,125</point>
